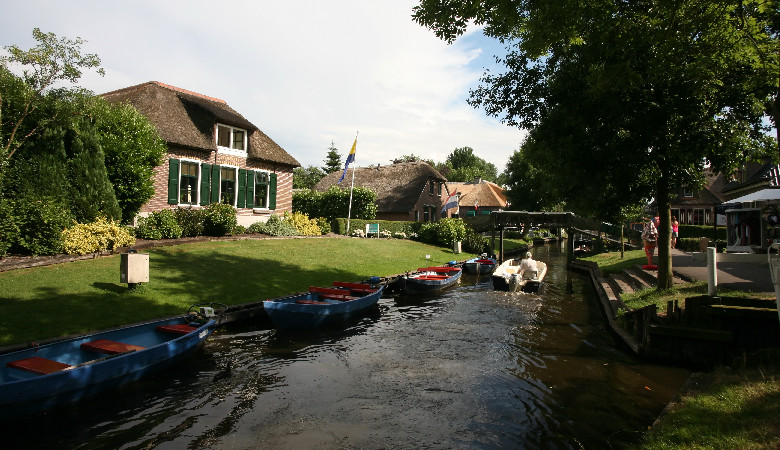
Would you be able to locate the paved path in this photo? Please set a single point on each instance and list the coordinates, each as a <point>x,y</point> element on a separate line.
<point>752,277</point>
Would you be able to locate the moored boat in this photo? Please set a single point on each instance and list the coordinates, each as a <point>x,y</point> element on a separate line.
<point>43,377</point>
<point>322,306</point>
<point>480,265</point>
<point>510,277</point>
<point>430,279</point>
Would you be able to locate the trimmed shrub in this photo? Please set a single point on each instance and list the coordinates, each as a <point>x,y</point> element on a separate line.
<point>692,244</point>
<point>275,227</point>
<point>473,242</point>
<point>159,225</point>
<point>96,236</point>
<point>40,223</point>
<point>219,219</point>
<point>697,231</point>
<point>190,220</point>
<point>394,226</point>
<point>302,223</point>
<point>335,202</point>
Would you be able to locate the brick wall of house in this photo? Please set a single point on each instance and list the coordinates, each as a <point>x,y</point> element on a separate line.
<point>246,216</point>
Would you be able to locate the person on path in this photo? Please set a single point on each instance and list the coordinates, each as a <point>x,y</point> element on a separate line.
<point>649,237</point>
<point>675,231</point>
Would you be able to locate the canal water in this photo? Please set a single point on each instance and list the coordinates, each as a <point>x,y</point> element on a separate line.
<point>467,368</point>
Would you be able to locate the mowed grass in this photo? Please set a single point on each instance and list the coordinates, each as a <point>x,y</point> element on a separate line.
<point>52,301</point>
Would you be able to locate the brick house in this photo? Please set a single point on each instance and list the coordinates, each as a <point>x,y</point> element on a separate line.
<point>477,197</point>
<point>214,154</point>
<point>409,191</point>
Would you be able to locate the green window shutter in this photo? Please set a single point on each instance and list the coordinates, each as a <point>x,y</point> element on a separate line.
<point>250,188</point>
<point>241,188</point>
<point>173,181</point>
<point>272,191</point>
<point>205,183</point>
<point>215,183</point>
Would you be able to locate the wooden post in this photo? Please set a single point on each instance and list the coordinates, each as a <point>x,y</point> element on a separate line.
<point>570,245</point>
<point>501,245</point>
<point>712,271</point>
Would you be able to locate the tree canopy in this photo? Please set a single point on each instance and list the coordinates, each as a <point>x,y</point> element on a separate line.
<point>627,100</point>
<point>306,177</point>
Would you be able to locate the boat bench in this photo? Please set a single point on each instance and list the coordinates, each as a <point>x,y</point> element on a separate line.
<point>107,347</point>
<point>339,297</point>
<point>177,328</point>
<point>432,277</point>
<point>38,365</point>
<point>438,269</point>
<point>332,293</point>
<point>311,302</point>
<point>360,289</point>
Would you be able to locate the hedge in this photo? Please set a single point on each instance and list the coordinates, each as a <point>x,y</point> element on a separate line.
<point>697,231</point>
<point>339,226</point>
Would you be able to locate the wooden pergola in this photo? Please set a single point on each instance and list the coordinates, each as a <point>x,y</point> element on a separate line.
<point>498,221</point>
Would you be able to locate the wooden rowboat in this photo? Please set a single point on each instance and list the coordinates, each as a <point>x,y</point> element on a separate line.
<point>430,279</point>
<point>43,377</point>
<point>322,306</point>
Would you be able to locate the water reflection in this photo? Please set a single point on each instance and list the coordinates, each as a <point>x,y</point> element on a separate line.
<point>470,367</point>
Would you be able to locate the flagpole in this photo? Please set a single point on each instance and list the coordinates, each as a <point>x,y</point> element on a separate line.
<point>352,186</point>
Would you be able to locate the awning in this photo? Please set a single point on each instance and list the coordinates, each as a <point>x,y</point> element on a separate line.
<point>762,195</point>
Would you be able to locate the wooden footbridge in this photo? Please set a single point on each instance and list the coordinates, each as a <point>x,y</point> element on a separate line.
<point>499,221</point>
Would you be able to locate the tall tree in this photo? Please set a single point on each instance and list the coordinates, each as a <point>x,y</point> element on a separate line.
<point>53,60</point>
<point>466,166</point>
<point>332,160</point>
<point>627,100</point>
<point>306,178</point>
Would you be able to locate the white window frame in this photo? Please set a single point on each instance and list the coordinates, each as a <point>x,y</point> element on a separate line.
<point>235,180</point>
<point>196,203</point>
<point>230,150</point>
<point>267,190</point>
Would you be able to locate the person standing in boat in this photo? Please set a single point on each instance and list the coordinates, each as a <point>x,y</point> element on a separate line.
<point>528,263</point>
<point>649,238</point>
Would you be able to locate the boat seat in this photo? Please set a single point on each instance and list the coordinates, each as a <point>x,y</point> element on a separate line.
<point>343,298</point>
<point>432,277</point>
<point>530,274</point>
<point>511,270</point>
<point>311,302</point>
<point>177,328</point>
<point>109,347</point>
<point>38,365</point>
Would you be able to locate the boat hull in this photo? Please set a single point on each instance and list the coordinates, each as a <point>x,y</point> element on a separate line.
<point>480,266</point>
<point>23,393</point>
<point>285,313</point>
<point>418,285</point>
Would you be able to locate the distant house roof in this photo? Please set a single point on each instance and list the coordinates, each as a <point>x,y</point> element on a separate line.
<point>397,186</point>
<point>187,119</point>
<point>755,176</point>
<point>711,192</point>
<point>485,193</point>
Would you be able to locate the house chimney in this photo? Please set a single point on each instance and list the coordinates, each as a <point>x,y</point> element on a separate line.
<point>477,180</point>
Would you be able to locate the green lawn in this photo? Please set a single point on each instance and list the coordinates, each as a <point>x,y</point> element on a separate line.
<point>62,299</point>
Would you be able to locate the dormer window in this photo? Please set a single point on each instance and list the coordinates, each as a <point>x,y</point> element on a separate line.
<point>231,140</point>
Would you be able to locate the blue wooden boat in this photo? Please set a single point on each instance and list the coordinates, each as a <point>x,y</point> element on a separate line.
<point>43,377</point>
<point>430,279</point>
<point>322,306</point>
<point>480,265</point>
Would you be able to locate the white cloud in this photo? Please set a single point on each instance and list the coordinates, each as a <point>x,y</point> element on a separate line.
<point>305,72</point>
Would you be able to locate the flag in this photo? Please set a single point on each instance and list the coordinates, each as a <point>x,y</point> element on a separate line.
<point>476,204</point>
<point>452,202</point>
<point>350,158</point>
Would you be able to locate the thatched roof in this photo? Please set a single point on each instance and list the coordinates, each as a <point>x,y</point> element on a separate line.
<point>487,194</point>
<point>397,186</point>
<point>187,119</point>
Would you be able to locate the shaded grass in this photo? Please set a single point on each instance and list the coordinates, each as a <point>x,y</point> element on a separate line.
<point>731,409</point>
<point>648,296</point>
<point>52,301</point>
<point>611,262</point>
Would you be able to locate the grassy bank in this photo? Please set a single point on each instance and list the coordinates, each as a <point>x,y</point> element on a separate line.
<point>731,408</point>
<point>81,296</point>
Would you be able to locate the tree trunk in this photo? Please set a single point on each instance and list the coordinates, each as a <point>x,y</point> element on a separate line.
<point>664,243</point>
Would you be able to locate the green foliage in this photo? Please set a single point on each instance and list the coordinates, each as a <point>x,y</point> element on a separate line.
<point>306,178</point>
<point>473,242</point>
<point>9,230</point>
<point>132,148</point>
<point>275,226</point>
<point>159,225</point>
<point>190,220</point>
<point>443,232</point>
<point>219,219</point>
<point>694,244</point>
<point>302,224</point>
<point>96,236</point>
<point>334,203</point>
<point>408,228</point>
<point>40,223</point>
<point>466,166</point>
<point>324,224</point>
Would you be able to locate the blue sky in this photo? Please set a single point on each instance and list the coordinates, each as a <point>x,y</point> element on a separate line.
<point>306,72</point>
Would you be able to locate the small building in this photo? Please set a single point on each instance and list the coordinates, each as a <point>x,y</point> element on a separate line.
<point>408,191</point>
<point>700,207</point>
<point>214,154</point>
<point>477,197</point>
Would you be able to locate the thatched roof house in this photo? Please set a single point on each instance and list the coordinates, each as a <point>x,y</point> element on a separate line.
<point>478,197</point>
<point>405,191</point>
<point>214,154</point>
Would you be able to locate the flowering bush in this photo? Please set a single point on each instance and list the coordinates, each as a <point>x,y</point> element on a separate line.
<point>385,234</point>
<point>399,235</point>
<point>358,232</point>
<point>302,223</point>
<point>96,236</point>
